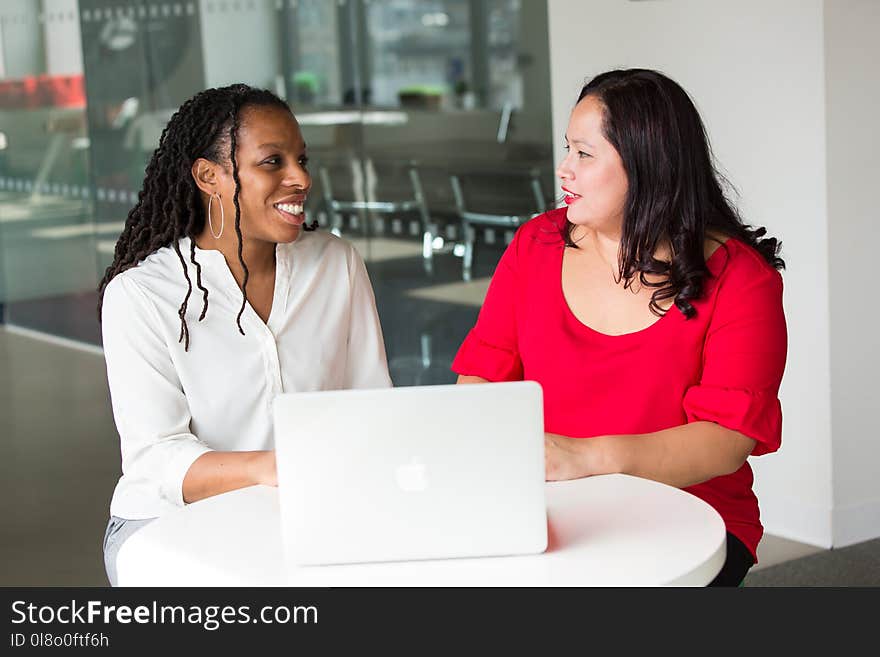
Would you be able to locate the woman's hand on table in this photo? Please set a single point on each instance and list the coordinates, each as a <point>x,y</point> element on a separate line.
<point>679,456</point>
<point>216,472</point>
<point>571,458</point>
<point>265,471</point>
<point>564,458</point>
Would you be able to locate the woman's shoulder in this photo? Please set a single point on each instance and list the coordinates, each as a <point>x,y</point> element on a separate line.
<point>125,296</point>
<point>731,253</point>
<point>160,262</point>
<point>152,276</point>
<point>541,234</point>
<point>736,265</point>
<point>317,251</point>
<point>546,227</point>
<point>320,244</point>
<point>320,240</point>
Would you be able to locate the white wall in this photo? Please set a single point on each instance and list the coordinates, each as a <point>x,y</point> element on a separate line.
<point>852,55</point>
<point>756,72</point>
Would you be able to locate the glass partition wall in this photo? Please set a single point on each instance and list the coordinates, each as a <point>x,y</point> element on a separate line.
<point>395,99</point>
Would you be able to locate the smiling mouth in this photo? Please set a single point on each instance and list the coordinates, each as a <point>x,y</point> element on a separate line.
<point>291,213</point>
<point>570,197</point>
<point>290,208</point>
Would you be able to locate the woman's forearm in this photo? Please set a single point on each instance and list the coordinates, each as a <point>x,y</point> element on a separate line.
<point>218,472</point>
<point>680,456</point>
<point>471,379</point>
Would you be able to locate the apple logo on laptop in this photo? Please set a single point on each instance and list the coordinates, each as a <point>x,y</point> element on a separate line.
<point>412,477</point>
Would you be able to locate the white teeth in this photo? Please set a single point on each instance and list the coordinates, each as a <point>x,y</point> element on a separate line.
<point>291,208</point>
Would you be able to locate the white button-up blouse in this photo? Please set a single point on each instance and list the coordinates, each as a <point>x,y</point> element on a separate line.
<point>171,405</point>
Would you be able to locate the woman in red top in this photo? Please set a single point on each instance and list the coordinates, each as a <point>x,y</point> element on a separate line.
<point>582,302</point>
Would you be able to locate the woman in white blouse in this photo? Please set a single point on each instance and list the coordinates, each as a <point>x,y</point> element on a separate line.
<point>220,297</point>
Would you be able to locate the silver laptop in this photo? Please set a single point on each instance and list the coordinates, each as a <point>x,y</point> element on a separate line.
<point>426,472</point>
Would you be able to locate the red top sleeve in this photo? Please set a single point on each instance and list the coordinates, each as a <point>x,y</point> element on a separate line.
<point>744,356</point>
<point>491,349</point>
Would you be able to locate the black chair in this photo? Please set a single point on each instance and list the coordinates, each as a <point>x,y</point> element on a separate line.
<point>377,187</point>
<point>494,199</point>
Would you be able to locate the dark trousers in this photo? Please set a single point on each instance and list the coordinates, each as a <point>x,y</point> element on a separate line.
<point>736,565</point>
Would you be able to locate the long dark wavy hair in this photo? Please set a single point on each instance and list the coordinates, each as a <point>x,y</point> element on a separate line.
<point>675,194</point>
<point>169,204</point>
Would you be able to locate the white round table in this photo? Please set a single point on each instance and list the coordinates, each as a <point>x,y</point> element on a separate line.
<point>611,530</point>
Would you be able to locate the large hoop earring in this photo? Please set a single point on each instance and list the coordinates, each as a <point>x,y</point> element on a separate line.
<point>222,216</point>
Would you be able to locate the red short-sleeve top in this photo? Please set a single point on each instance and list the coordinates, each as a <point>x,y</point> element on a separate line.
<point>723,365</point>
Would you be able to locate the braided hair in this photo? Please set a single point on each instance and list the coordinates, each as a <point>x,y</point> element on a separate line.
<point>169,205</point>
